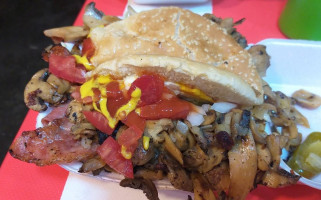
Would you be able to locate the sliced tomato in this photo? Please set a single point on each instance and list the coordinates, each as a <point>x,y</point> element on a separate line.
<point>110,152</point>
<point>65,67</point>
<point>88,48</point>
<point>134,120</point>
<point>172,109</point>
<point>151,87</point>
<point>99,121</point>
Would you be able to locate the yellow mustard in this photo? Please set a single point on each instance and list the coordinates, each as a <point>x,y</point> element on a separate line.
<point>100,83</point>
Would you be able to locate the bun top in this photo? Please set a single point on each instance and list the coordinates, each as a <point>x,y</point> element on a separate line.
<point>174,32</point>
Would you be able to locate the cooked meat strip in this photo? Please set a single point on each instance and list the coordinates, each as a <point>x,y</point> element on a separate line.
<point>56,113</point>
<point>54,49</point>
<point>52,144</point>
<point>146,185</point>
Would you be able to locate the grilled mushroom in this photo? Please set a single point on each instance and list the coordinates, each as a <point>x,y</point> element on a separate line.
<point>307,99</point>
<point>39,91</point>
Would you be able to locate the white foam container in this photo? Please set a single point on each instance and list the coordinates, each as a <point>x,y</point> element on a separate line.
<point>296,64</point>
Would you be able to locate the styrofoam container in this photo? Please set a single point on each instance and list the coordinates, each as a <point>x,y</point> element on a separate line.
<point>296,64</point>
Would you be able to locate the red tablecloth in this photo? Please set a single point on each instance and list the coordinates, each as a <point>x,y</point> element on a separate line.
<point>19,180</point>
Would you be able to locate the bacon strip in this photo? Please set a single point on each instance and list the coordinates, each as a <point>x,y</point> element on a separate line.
<point>56,113</point>
<point>51,144</point>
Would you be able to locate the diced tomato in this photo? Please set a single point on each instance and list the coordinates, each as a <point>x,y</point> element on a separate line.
<point>99,121</point>
<point>151,87</point>
<point>65,67</point>
<point>113,90</point>
<point>110,152</point>
<point>129,139</point>
<point>88,48</point>
<point>172,109</point>
<point>134,120</point>
<point>129,136</point>
<point>116,99</point>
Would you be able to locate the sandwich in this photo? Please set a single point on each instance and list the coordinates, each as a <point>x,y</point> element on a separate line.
<point>161,94</point>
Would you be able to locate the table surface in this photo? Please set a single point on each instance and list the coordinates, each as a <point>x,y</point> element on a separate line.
<point>19,180</point>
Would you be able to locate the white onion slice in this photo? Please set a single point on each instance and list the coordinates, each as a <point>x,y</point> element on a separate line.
<point>182,127</point>
<point>195,118</point>
<point>67,45</point>
<point>223,107</point>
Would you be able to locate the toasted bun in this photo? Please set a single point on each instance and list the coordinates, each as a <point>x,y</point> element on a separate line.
<point>219,84</point>
<point>180,36</point>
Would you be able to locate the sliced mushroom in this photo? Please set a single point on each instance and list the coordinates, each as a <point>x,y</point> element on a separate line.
<point>38,91</point>
<point>275,143</point>
<point>92,165</point>
<point>142,156</point>
<point>149,174</point>
<point>307,99</point>
<point>240,124</point>
<point>269,95</point>
<point>81,129</point>
<point>260,58</point>
<point>74,112</point>
<point>223,123</point>
<point>215,155</point>
<point>279,178</point>
<point>290,131</point>
<point>177,176</point>
<point>172,149</point>
<point>194,157</point>
<point>154,127</point>
<point>199,137</point>
<point>146,185</point>
<point>258,131</point>
<point>243,166</point>
<point>228,25</point>
<point>179,139</point>
<point>262,111</point>
<point>202,191</point>
<point>286,113</point>
<point>67,33</point>
<point>59,84</point>
<point>93,17</point>
<point>219,177</point>
<point>209,118</point>
<point>264,157</point>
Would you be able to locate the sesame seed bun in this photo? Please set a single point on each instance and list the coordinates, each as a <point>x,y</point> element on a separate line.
<point>194,48</point>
